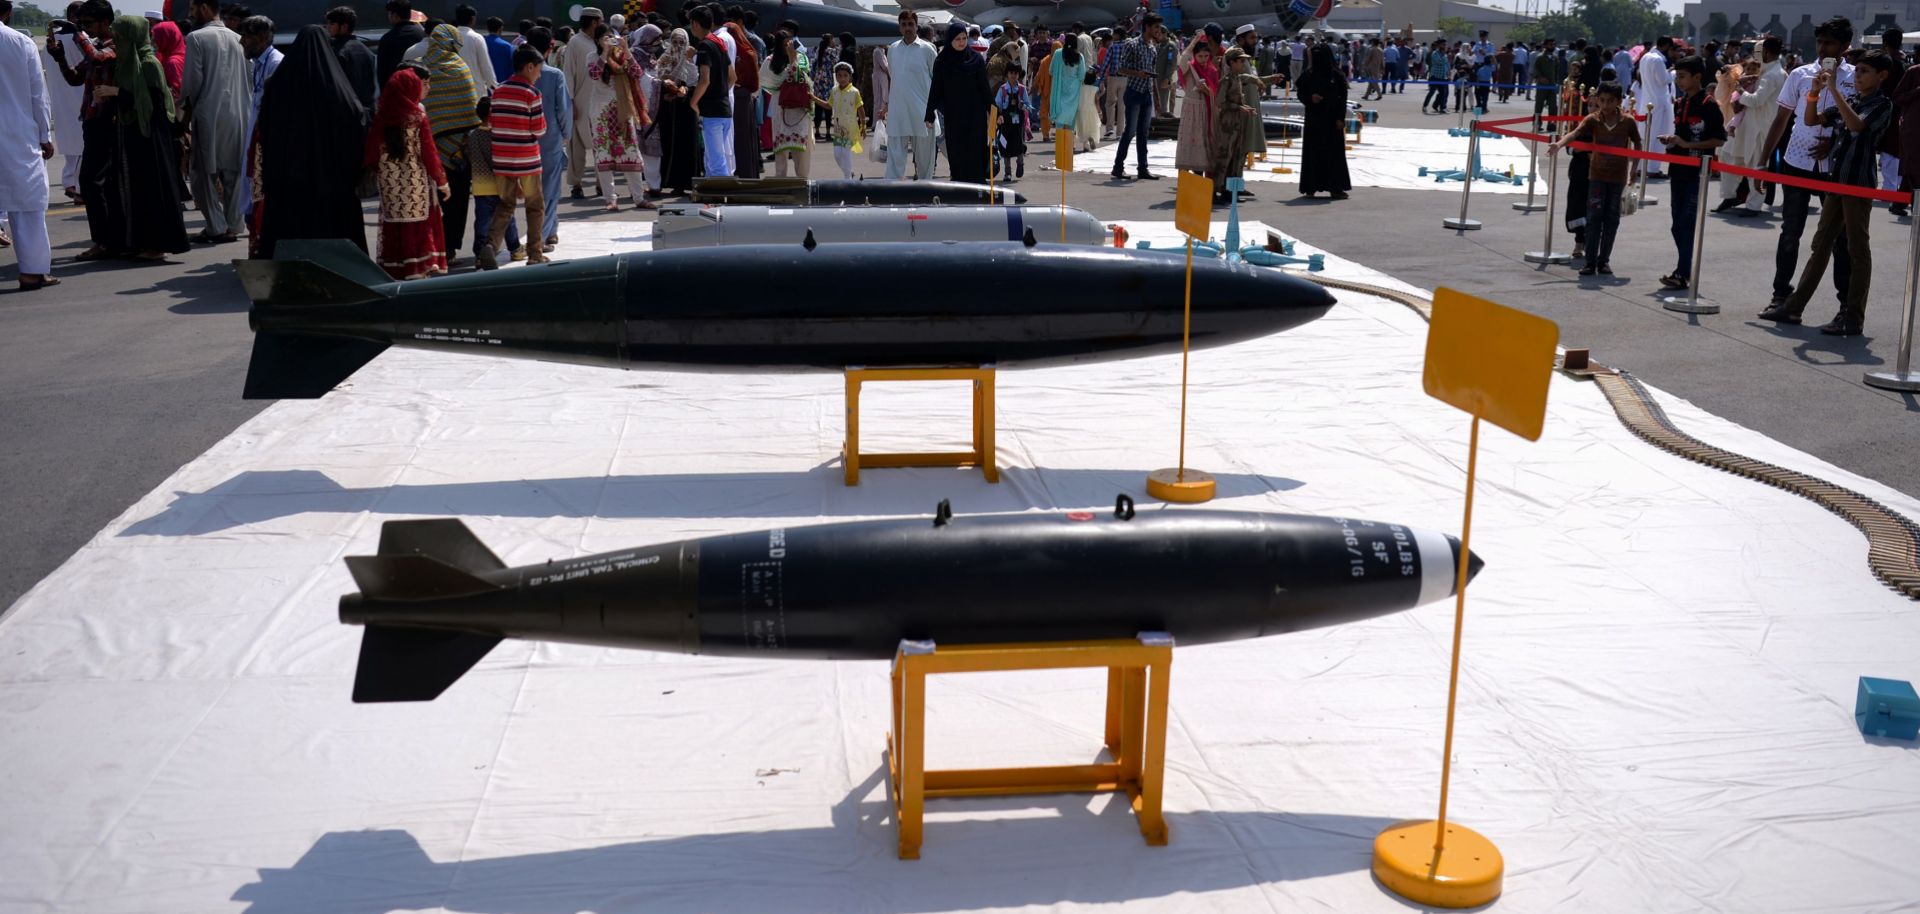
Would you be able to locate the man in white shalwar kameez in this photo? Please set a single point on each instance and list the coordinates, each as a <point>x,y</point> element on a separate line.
<point>26,142</point>
<point>904,108</point>
<point>217,89</point>
<point>1758,108</point>
<point>1656,90</point>
<point>473,50</point>
<point>574,58</point>
<point>64,101</point>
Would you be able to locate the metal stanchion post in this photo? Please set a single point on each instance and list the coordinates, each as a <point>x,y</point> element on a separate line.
<point>1546,254</point>
<point>1903,377</point>
<point>1533,168</point>
<point>1646,201</point>
<point>1463,224</point>
<point>1691,303</point>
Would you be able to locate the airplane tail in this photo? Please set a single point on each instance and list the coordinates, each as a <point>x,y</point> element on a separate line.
<point>419,560</point>
<point>305,281</point>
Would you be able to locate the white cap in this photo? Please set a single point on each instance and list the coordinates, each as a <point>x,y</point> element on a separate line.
<point>154,15</point>
<point>617,21</point>
<point>1244,29</point>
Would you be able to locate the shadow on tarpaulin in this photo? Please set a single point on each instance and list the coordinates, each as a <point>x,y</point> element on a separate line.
<point>1060,849</point>
<point>255,496</point>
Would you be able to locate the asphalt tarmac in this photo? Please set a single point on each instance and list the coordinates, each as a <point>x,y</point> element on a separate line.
<point>114,379</point>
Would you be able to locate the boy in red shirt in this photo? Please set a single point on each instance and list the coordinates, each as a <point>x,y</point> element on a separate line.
<point>517,121</point>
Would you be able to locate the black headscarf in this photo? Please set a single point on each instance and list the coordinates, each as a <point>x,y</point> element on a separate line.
<point>850,54</point>
<point>312,127</point>
<point>965,57</point>
<point>1320,62</point>
<point>954,30</point>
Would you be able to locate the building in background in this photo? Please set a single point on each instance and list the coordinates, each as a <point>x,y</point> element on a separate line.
<point>1422,17</point>
<point>1794,19</point>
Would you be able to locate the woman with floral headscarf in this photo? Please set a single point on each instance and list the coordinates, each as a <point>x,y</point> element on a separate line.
<point>679,129</point>
<point>792,109</point>
<point>616,107</point>
<point>452,105</point>
<point>146,173</point>
<point>646,47</point>
<point>401,152</point>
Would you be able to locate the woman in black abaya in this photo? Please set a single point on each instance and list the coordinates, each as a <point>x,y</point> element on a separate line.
<point>307,149</point>
<point>961,97</point>
<point>1323,148</point>
<point>147,173</point>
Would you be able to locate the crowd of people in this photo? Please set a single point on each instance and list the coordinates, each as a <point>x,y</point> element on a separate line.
<point>275,144</point>
<point>1836,119</point>
<point>461,131</point>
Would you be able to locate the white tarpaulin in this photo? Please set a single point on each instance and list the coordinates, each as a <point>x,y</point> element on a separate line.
<point>1388,157</point>
<point>1656,702</point>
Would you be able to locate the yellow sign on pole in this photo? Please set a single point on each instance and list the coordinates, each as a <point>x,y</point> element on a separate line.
<point>1193,205</point>
<point>1193,215</point>
<point>1495,363</point>
<point>993,128</point>
<point>1063,149</point>
<point>1491,361</point>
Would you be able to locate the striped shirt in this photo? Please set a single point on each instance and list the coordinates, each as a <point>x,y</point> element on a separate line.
<point>517,120</point>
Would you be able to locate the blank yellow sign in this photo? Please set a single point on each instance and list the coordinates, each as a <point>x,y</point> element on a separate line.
<point>1193,205</point>
<point>1063,149</point>
<point>1491,361</point>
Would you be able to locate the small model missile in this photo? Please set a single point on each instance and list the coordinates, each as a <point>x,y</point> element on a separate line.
<point>435,600</point>
<point>323,309</point>
<point>803,192</point>
<point>687,225</point>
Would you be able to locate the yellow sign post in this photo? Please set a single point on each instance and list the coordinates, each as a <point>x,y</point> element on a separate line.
<point>1193,216</point>
<point>1494,363</point>
<point>993,127</point>
<point>1063,161</point>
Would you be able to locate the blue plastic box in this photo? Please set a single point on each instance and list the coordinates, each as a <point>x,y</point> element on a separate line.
<point>1887,708</point>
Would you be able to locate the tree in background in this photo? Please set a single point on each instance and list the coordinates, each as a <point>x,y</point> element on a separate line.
<point>28,17</point>
<point>1560,27</point>
<point>1453,28</point>
<point>1717,27</point>
<point>1627,22</point>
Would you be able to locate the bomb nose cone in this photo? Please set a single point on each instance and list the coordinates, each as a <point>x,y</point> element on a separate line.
<point>351,612</point>
<point>1474,562</point>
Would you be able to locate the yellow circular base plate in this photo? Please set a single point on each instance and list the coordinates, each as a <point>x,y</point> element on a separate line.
<point>1171,484</point>
<point>1465,874</point>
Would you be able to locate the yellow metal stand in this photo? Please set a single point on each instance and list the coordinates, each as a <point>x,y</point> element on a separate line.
<point>1136,728</point>
<point>982,453</point>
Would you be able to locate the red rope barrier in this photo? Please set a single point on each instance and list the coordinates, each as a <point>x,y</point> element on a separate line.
<point>1624,152</point>
<point>1487,125</point>
<point>1516,134</point>
<point>1498,128</point>
<point>1890,196</point>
